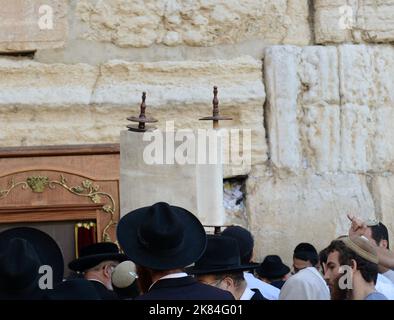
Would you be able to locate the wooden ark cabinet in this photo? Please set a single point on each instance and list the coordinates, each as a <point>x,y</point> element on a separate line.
<point>55,187</point>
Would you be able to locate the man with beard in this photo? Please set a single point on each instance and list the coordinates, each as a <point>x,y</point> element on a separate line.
<point>377,234</point>
<point>352,269</point>
<point>360,228</point>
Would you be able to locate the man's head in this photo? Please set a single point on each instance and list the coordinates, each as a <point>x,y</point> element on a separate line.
<point>23,251</point>
<point>161,239</point>
<point>244,239</point>
<point>378,234</point>
<point>273,269</point>
<point>233,282</point>
<point>305,255</point>
<point>323,255</point>
<point>97,261</point>
<point>102,272</point>
<point>220,265</point>
<point>350,262</point>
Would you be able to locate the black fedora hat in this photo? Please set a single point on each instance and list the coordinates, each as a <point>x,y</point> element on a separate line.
<point>23,251</point>
<point>19,277</point>
<point>45,246</point>
<point>93,254</point>
<point>244,239</point>
<point>75,289</point>
<point>221,255</point>
<point>272,268</point>
<point>161,237</point>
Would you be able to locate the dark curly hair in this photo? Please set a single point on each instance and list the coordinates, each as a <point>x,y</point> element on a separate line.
<point>368,270</point>
<point>379,233</point>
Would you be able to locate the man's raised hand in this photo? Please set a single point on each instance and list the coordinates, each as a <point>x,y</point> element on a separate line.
<point>358,226</point>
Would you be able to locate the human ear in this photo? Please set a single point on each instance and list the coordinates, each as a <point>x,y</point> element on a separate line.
<point>353,265</point>
<point>228,282</point>
<point>383,244</point>
<point>108,270</point>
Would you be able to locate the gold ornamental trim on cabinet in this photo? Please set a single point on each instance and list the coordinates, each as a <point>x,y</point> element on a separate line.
<point>87,189</point>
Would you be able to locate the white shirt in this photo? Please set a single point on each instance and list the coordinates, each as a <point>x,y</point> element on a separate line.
<point>247,295</point>
<point>268,291</point>
<point>385,286</point>
<point>389,274</point>
<point>171,276</point>
<point>306,284</point>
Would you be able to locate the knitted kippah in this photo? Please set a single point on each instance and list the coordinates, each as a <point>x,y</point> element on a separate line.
<point>362,247</point>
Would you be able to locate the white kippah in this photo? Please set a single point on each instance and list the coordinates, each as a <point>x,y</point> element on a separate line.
<point>124,274</point>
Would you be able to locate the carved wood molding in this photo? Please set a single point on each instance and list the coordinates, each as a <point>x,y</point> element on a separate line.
<point>66,150</point>
<point>45,213</point>
<point>87,189</point>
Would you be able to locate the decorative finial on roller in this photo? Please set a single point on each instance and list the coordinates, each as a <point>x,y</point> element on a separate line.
<point>142,119</point>
<point>215,111</point>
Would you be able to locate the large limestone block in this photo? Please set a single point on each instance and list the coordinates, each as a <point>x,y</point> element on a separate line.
<point>285,211</point>
<point>320,131</point>
<point>27,25</point>
<point>366,138</point>
<point>34,125</point>
<point>383,140</point>
<point>282,85</point>
<point>137,23</point>
<point>383,194</point>
<point>366,74</point>
<point>179,83</point>
<point>367,92</point>
<point>356,21</point>
<point>318,74</point>
<point>302,93</point>
<point>330,109</point>
<point>355,131</point>
<point>31,83</point>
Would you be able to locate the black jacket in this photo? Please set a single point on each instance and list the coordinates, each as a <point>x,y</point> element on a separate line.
<point>103,292</point>
<point>185,288</point>
<point>257,295</point>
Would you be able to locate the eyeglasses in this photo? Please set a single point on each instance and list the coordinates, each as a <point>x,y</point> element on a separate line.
<point>213,283</point>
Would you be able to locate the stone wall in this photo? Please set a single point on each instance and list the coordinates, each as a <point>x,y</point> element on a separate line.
<point>312,79</point>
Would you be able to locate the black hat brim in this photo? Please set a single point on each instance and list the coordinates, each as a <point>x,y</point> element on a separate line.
<point>207,270</point>
<point>85,263</point>
<point>46,247</point>
<point>279,272</point>
<point>33,292</point>
<point>193,246</point>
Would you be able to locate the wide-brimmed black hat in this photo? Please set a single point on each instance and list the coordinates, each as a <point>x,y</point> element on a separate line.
<point>96,253</point>
<point>161,237</point>
<point>244,239</point>
<point>221,255</point>
<point>272,268</point>
<point>23,251</point>
<point>75,289</point>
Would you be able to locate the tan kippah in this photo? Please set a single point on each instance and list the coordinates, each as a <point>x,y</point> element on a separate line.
<point>362,247</point>
<point>124,274</point>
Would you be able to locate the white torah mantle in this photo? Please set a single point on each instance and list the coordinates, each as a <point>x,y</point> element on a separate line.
<point>181,167</point>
